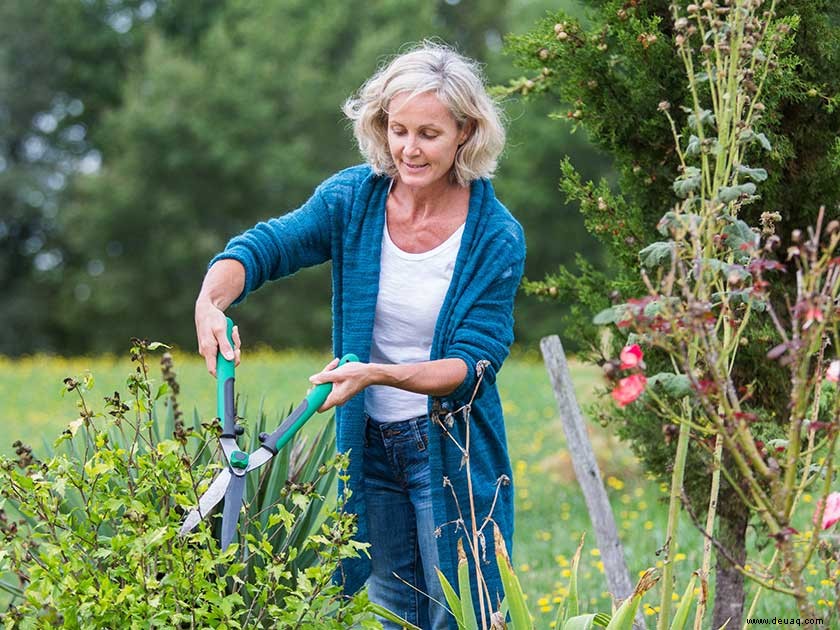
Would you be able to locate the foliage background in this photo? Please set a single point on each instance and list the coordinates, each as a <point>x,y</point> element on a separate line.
<point>136,137</point>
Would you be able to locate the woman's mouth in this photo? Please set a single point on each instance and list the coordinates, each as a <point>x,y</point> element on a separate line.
<point>414,167</point>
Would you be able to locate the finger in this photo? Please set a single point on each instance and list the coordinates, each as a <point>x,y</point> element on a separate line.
<point>329,403</point>
<point>210,360</point>
<point>224,345</point>
<point>237,346</point>
<point>323,376</point>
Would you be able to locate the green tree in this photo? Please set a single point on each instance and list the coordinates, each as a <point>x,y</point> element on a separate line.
<point>613,72</point>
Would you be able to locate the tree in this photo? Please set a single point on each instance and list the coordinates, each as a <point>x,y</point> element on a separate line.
<point>614,72</point>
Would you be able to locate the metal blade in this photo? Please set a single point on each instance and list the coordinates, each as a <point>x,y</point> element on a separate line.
<point>230,514</point>
<point>207,501</point>
<point>258,458</point>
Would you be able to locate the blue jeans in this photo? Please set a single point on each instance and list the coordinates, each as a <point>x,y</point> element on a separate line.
<point>400,522</point>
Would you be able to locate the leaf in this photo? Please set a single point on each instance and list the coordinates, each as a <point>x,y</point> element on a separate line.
<point>580,622</point>
<point>519,615</point>
<point>731,193</point>
<point>693,146</point>
<point>671,221</point>
<point>465,591</point>
<point>609,315</point>
<point>765,143</point>
<point>157,344</point>
<point>390,616</point>
<point>706,117</point>
<point>755,174</point>
<point>675,385</point>
<point>681,616</point>
<point>624,616</point>
<point>739,234</point>
<point>688,182</point>
<point>657,254</point>
<point>451,598</point>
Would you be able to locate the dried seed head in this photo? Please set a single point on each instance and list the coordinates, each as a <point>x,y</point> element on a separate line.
<point>664,106</point>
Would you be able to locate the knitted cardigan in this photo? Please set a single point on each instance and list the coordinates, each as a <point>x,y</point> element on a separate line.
<point>343,221</point>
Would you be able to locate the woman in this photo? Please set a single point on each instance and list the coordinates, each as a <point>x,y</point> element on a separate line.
<point>425,266</point>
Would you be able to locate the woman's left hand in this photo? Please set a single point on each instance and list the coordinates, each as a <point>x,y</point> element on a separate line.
<point>347,380</point>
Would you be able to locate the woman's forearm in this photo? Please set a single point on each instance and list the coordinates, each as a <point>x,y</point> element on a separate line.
<point>223,283</point>
<point>433,378</point>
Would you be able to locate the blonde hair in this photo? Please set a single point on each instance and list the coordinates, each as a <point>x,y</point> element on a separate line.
<point>457,81</point>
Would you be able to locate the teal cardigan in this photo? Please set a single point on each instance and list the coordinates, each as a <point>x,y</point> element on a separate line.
<point>343,221</point>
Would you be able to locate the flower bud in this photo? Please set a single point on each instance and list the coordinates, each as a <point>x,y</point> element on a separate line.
<point>796,236</point>
<point>543,54</point>
<point>664,106</point>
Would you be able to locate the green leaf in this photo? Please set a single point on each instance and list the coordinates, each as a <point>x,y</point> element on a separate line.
<point>157,344</point>
<point>688,182</point>
<point>609,315</point>
<point>580,622</point>
<point>765,143</point>
<point>731,193</point>
<point>390,616</point>
<point>675,385</point>
<point>739,235</point>
<point>693,146</point>
<point>451,599</point>
<point>755,174</point>
<point>657,254</point>
<point>706,118</point>
<point>465,591</point>
<point>681,616</point>
<point>519,615</point>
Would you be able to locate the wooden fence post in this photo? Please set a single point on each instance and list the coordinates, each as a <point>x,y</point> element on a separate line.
<point>587,472</point>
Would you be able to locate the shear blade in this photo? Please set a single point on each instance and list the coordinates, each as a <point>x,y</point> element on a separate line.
<point>207,502</point>
<point>230,514</point>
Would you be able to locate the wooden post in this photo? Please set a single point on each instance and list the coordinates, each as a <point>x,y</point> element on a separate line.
<point>587,472</point>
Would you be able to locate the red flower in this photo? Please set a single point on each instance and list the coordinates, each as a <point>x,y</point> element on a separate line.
<point>631,356</point>
<point>833,372</point>
<point>832,510</point>
<point>629,389</point>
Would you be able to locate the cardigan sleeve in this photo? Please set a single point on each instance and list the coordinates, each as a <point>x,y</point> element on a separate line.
<point>486,331</point>
<point>281,246</point>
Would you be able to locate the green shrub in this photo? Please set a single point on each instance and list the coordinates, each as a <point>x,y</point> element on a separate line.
<point>90,532</point>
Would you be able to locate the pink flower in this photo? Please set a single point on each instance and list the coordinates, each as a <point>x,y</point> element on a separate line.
<point>813,314</point>
<point>630,356</point>
<point>833,372</point>
<point>832,510</point>
<point>629,389</point>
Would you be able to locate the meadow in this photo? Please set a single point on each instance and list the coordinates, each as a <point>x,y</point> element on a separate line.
<point>551,513</point>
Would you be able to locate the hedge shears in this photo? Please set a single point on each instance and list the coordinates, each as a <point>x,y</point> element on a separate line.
<point>230,482</point>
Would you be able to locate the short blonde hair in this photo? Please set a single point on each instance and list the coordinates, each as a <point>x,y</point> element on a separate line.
<point>457,81</point>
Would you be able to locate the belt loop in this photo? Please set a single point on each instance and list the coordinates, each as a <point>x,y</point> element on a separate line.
<point>418,434</point>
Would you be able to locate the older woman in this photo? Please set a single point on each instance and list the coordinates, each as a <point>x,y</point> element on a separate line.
<point>425,265</point>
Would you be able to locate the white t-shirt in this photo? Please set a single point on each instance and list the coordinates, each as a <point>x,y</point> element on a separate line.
<point>412,288</point>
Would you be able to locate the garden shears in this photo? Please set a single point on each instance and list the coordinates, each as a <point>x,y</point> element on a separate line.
<point>230,482</point>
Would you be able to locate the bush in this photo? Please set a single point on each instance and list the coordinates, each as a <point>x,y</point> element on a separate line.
<point>91,532</point>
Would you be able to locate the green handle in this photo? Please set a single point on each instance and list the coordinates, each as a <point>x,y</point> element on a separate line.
<point>224,385</point>
<point>305,410</point>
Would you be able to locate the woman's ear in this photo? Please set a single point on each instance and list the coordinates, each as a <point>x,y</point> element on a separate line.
<point>466,132</point>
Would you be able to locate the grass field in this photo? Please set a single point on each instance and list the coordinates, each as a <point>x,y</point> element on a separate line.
<point>551,513</point>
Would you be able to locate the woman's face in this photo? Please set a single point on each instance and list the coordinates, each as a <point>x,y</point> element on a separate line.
<point>423,137</point>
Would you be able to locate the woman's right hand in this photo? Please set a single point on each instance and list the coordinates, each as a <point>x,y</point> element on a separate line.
<point>211,331</point>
